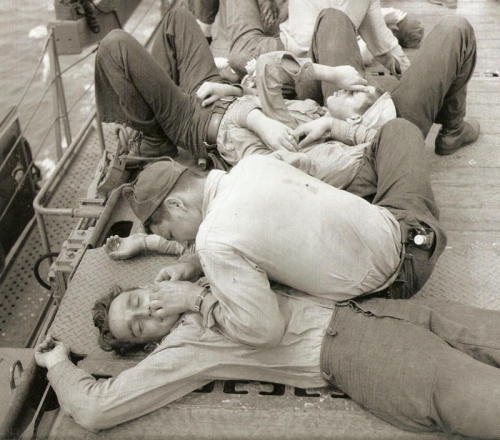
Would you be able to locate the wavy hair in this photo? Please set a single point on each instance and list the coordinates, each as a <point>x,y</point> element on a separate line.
<point>106,340</point>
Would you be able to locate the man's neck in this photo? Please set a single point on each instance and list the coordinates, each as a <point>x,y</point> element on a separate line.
<point>211,183</point>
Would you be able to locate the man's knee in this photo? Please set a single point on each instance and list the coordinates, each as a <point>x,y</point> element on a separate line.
<point>333,17</point>
<point>403,128</point>
<point>180,15</point>
<point>238,59</point>
<point>457,24</point>
<point>112,44</point>
<point>114,39</point>
<point>177,18</point>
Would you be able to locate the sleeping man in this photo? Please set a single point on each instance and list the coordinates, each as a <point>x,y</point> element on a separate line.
<point>437,366</point>
<point>175,96</point>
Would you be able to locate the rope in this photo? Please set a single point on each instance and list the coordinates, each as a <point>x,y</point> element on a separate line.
<point>39,63</point>
<point>78,61</point>
<point>80,98</point>
<point>49,85</point>
<point>32,116</point>
<point>21,136</point>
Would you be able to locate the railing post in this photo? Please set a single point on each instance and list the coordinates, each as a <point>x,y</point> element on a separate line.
<point>42,229</point>
<point>100,131</point>
<point>60,107</point>
<point>55,97</point>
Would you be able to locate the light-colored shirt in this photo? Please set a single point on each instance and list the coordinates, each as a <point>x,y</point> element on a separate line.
<point>296,33</point>
<point>266,220</point>
<point>277,68</point>
<point>190,357</point>
<point>334,159</point>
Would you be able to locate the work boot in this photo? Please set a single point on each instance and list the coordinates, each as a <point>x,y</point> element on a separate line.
<point>450,140</point>
<point>142,145</point>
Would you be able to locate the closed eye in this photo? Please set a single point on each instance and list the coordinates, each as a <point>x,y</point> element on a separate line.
<point>136,302</point>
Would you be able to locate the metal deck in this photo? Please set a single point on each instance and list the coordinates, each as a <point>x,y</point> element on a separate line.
<point>23,301</point>
<point>467,187</point>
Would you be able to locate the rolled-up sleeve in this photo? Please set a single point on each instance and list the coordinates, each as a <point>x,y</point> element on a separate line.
<point>379,39</point>
<point>245,309</point>
<point>351,133</point>
<point>242,107</point>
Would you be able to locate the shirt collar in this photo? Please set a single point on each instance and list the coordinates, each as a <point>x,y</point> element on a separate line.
<point>210,189</point>
<point>382,111</point>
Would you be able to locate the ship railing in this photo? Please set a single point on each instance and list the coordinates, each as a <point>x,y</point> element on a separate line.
<point>61,127</point>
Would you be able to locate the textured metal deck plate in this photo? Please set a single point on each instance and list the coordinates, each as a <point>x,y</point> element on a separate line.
<point>241,410</point>
<point>23,300</point>
<point>93,279</point>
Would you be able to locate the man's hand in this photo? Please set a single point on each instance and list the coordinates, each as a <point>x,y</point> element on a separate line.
<point>185,271</point>
<point>180,296</point>
<point>209,92</point>
<point>121,248</point>
<point>313,130</point>
<point>344,77</point>
<point>275,134</point>
<point>50,352</point>
<point>391,63</point>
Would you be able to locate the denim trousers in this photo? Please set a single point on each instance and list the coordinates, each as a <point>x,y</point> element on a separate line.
<point>432,367</point>
<point>155,92</point>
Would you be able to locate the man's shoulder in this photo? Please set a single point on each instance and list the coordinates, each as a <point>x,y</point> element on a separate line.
<point>257,163</point>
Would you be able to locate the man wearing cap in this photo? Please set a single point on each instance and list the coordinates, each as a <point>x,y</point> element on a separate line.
<point>266,220</point>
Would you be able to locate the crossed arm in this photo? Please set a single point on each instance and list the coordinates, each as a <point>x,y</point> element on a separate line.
<point>277,68</point>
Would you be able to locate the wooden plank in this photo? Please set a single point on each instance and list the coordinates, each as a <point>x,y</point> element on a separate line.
<point>460,219</point>
<point>479,110</point>
<point>482,154</point>
<point>486,85</point>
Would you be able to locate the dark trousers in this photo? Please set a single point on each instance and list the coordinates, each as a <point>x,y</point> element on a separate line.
<point>248,35</point>
<point>155,93</point>
<point>432,90</point>
<point>432,367</point>
<point>395,174</point>
<point>204,10</point>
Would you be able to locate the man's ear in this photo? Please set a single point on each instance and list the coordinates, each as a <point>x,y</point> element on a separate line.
<point>175,203</point>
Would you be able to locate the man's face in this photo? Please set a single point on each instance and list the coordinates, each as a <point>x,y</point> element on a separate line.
<point>344,104</point>
<point>173,223</point>
<point>140,315</point>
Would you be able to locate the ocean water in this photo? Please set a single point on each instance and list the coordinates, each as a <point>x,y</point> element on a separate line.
<point>23,31</point>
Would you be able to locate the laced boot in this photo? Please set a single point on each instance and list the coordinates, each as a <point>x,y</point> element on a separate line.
<point>142,145</point>
<point>450,140</point>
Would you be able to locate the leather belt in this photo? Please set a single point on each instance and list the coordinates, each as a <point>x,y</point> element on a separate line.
<point>218,111</point>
